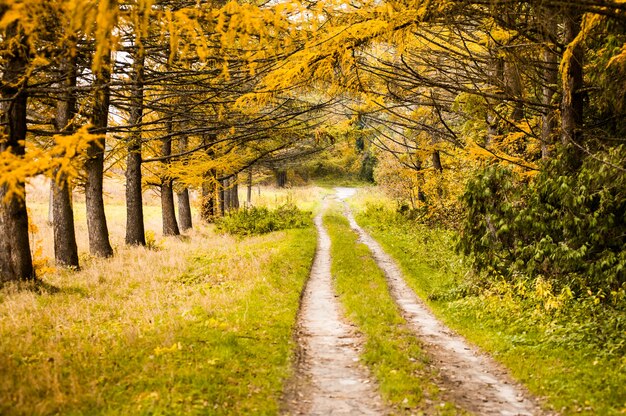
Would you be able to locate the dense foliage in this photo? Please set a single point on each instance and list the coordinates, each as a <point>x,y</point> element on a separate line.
<point>565,226</point>
<point>261,220</point>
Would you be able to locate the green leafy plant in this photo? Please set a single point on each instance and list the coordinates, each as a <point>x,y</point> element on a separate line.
<point>567,226</point>
<point>261,220</point>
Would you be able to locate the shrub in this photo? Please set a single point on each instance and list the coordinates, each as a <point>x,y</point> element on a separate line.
<point>261,220</point>
<point>567,226</point>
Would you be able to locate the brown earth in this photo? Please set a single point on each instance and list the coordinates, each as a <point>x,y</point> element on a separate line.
<point>329,380</point>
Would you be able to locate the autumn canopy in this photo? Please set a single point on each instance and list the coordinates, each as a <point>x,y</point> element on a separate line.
<point>502,119</point>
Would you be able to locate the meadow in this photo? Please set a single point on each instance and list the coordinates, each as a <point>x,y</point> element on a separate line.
<point>195,324</point>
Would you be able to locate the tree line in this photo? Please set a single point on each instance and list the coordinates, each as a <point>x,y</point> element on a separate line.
<point>504,119</point>
<point>154,88</point>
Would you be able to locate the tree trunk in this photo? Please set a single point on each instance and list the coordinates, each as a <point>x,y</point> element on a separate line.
<point>226,186</point>
<point>135,232</point>
<point>436,157</point>
<point>16,262</point>
<point>222,197</point>
<point>550,79</point>
<point>234,192</point>
<point>207,212</point>
<point>184,210</point>
<point>210,187</point>
<point>514,90</point>
<point>281,178</point>
<point>170,226</point>
<point>98,231</point>
<point>65,249</point>
<point>572,78</point>
<point>184,206</point>
<point>249,193</point>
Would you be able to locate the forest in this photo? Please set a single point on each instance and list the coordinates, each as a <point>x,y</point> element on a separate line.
<point>166,179</point>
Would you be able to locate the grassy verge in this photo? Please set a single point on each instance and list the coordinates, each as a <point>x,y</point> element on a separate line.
<point>203,326</point>
<point>566,352</point>
<point>391,351</point>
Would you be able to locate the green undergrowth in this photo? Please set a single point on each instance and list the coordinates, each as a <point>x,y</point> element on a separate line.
<point>570,352</point>
<point>211,335</point>
<point>391,351</point>
<point>262,220</point>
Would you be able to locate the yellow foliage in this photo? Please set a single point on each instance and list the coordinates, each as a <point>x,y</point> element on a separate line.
<point>589,23</point>
<point>64,158</point>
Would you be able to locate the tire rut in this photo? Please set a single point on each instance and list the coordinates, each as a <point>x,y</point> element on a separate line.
<point>469,378</point>
<point>329,380</point>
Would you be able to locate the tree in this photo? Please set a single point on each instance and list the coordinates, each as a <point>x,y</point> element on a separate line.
<point>99,244</point>
<point>135,233</point>
<point>65,249</point>
<point>184,205</point>
<point>15,258</point>
<point>170,226</point>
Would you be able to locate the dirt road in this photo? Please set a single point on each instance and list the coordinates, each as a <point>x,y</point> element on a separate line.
<point>329,379</point>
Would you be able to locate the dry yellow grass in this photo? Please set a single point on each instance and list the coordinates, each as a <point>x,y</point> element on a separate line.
<point>109,336</point>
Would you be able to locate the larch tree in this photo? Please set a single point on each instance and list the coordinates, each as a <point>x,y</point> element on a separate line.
<point>15,255</point>
<point>101,67</point>
<point>65,248</point>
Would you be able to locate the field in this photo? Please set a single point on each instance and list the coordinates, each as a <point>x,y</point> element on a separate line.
<point>203,320</point>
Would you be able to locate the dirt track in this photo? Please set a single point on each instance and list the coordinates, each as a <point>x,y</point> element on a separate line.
<point>330,381</point>
<point>473,380</point>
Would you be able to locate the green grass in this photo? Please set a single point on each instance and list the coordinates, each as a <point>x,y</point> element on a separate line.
<point>392,352</point>
<point>203,329</point>
<point>562,356</point>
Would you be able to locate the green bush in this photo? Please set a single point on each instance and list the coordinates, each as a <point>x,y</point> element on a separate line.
<point>567,226</point>
<point>261,220</point>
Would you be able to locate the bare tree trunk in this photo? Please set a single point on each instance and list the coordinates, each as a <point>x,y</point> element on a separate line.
<point>572,102</point>
<point>184,210</point>
<point>98,231</point>
<point>228,202</point>
<point>210,188</point>
<point>549,81</point>
<point>234,192</point>
<point>209,203</point>
<point>184,206</point>
<point>514,90</point>
<point>16,262</point>
<point>436,158</point>
<point>249,194</point>
<point>281,178</point>
<point>170,226</point>
<point>135,232</point>
<point>496,76</point>
<point>65,249</point>
<point>222,197</point>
